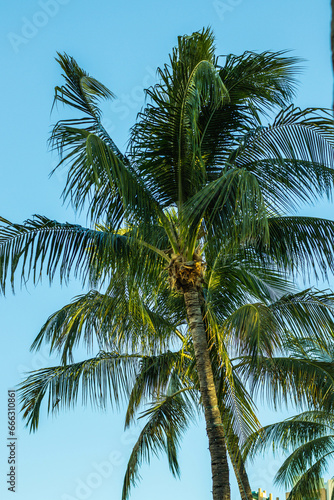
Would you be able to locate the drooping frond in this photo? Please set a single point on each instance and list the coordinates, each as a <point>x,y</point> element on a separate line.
<point>300,244</point>
<point>252,330</point>
<point>282,379</point>
<point>310,439</point>
<point>154,377</point>
<point>122,319</point>
<point>237,408</point>
<point>233,280</point>
<point>107,377</point>
<point>98,173</point>
<point>82,92</point>
<point>289,434</point>
<point>43,245</point>
<point>168,418</point>
<point>309,313</point>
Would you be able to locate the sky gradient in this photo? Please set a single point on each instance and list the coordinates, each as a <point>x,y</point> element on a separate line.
<point>82,453</point>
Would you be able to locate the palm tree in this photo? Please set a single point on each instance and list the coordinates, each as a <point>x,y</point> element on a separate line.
<point>308,437</point>
<point>202,178</point>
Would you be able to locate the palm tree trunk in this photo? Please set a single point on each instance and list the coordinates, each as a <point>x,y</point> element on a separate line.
<point>233,447</point>
<point>214,428</point>
<point>243,483</point>
<point>242,479</point>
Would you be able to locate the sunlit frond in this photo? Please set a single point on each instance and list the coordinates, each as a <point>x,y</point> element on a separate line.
<point>168,418</point>
<point>107,377</point>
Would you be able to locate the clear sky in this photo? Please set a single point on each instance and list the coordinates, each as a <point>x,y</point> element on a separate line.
<point>82,453</point>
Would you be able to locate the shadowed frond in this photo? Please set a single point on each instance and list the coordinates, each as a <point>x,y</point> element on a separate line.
<point>252,329</point>
<point>301,244</point>
<point>154,377</point>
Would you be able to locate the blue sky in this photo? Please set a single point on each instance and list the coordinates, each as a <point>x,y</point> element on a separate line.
<point>82,453</point>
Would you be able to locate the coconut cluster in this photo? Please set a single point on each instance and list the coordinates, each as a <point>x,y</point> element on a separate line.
<point>186,274</point>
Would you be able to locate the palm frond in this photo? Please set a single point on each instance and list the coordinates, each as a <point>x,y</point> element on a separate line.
<point>284,379</point>
<point>168,418</point>
<point>107,377</point>
<point>253,330</point>
<point>308,313</point>
<point>292,159</point>
<point>261,80</point>
<point>166,141</point>
<point>41,244</point>
<point>300,245</point>
<point>232,206</point>
<point>154,378</point>
<point>121,319</point>
<point>290,434</point>
<point>82,92</point>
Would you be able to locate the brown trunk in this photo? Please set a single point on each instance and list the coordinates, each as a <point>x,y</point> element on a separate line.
<point>239,467</point>
<point>243,483</point>
<point>242,478</point>
<point>214,428</point>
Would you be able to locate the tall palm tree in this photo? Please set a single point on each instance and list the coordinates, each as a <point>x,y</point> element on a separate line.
<point>202,178</point>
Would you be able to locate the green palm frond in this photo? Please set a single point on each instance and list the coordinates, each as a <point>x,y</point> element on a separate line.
<point>107,377</point>
<point>307,313</point>
<point>291,433</point>
<point>253,330</point>
<point>232,206</point>
<point>301,244</point>
<point>237,408</point>
<point>122,319</point>
<point>82,92</point>
<point>154,378</point>
<point>292,158</point>
<point>166,141</point>
<point>311,482</point>
<point>98,172</point>
<point>311,348</point>
<point>284,378</point>
<point>233,281</point>
<point>42,244</point>
<point>309,436</point>
<point>261,80</point>
<point>168,418</point>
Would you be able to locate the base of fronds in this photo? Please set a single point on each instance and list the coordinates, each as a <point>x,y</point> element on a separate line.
<point>186,274</point>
